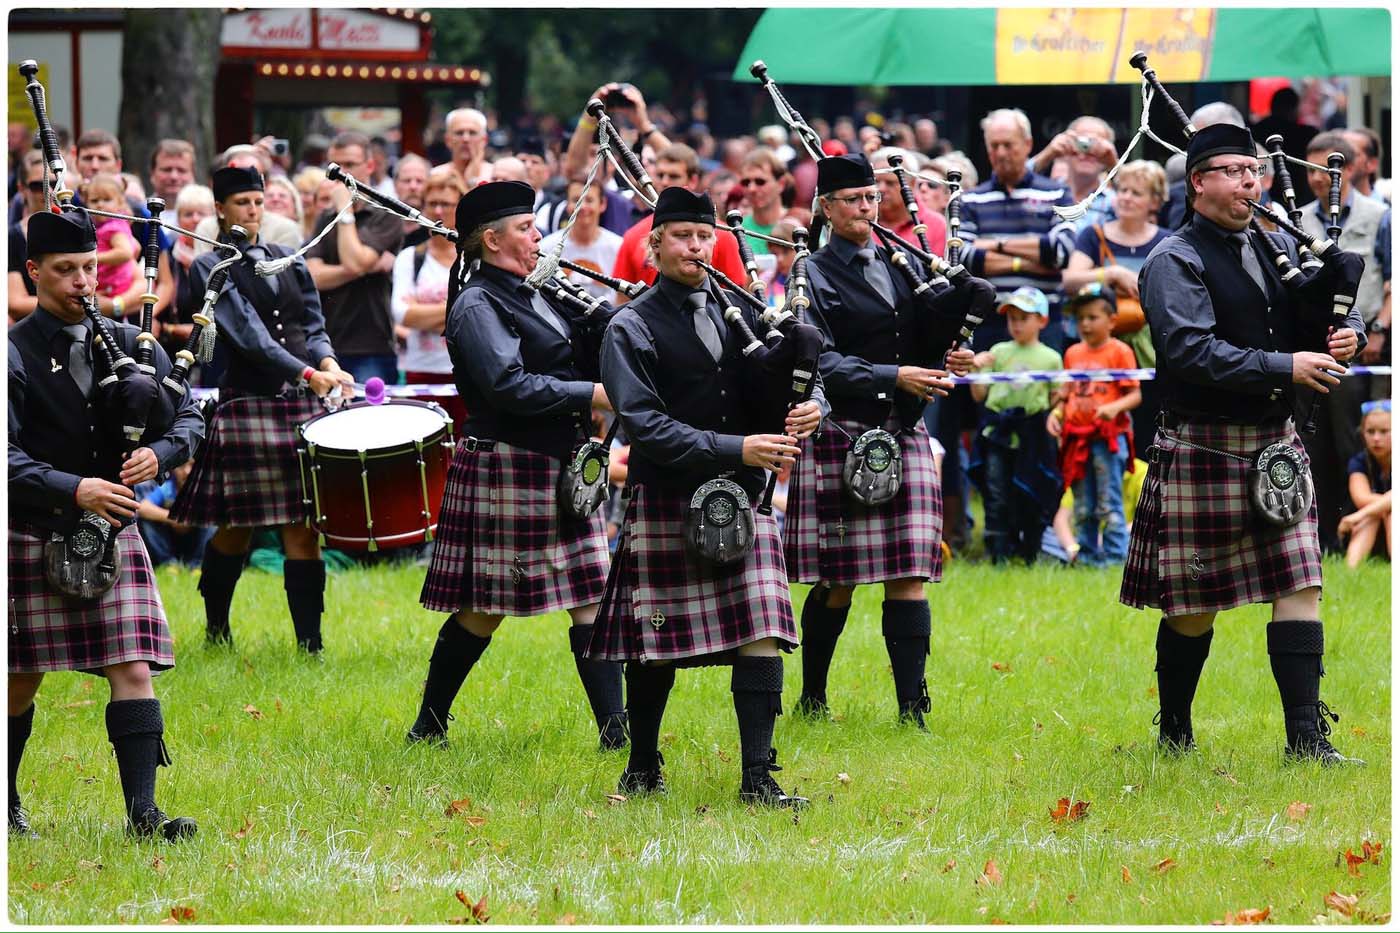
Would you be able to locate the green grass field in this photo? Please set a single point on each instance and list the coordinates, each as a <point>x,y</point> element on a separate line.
<point>312,810</point>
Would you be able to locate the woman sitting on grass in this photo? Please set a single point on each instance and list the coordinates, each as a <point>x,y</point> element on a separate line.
<point>1369,481</point>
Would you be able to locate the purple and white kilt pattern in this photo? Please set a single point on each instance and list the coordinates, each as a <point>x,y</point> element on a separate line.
<point>831,538</point>
<point>1196,544</point>
<point>248,475</point>
<point>503,547</point>
<point>664,605</point>
<point>49,632</point>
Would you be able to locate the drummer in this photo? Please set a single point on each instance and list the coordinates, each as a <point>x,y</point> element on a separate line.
<point>503,546</point>
<point>280,366</point>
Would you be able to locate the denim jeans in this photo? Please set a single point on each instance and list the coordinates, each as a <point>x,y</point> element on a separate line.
<point>1098,506</point>
<point>364,368</point>
<point>1013,527</point>
<point>164,544</point>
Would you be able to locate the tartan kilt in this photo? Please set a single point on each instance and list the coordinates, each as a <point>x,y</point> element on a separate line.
<point>248,474</point>
<point>662,604</point>
<point>49,632</point>
<point>831,538</point>
<point>1196,543</point>
<point>503,546</point>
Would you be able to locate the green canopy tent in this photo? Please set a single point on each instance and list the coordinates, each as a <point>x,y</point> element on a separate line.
<point>832,46</point>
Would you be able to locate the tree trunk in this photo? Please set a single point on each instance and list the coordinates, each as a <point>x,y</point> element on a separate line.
<point>169,59</point>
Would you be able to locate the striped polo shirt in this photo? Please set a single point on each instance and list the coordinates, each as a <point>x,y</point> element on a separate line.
<point>992,210</point>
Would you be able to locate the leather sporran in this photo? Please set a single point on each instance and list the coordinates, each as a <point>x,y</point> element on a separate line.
<point>874,467</point>
<point>583,480</point>
<point>85,563</point>
<point>719,524</point>
<point>1280,485</point>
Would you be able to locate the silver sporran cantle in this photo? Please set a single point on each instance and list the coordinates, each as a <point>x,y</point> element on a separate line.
<point>874,467</point>
<point>719,524</point>
<point>1280,485</point>
<point>583,480</point>
<point>79,564</point>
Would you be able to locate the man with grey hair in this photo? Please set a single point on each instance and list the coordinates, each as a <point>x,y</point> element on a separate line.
<point>1087,146</point>
<point>466,137</point>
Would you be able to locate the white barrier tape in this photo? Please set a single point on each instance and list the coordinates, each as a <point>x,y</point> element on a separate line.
<point>1023,378</point>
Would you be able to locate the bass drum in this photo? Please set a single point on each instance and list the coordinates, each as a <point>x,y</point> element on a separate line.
<point>372,476</point>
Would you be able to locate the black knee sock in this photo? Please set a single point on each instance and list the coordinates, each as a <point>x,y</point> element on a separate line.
<point>822,626</point>
<point>907,626</point>
<point>305,582</point>
<point>757,683</point>
<point>602,680</point>
<point>217,580</point>
<point>648,688</point>
<point>136,730</point>
<point>454,654</point>
<point>1295,654</point>
<point>1180,659</point>
<point>20,728</point>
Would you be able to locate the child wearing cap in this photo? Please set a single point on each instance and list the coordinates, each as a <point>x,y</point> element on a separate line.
<point>1096,434</point>
<point>1369,484</point>
<point>1013,458</point>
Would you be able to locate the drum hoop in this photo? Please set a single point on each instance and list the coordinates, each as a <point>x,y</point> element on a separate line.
<point>376,453</point>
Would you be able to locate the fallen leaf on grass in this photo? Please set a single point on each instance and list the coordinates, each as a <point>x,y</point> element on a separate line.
<point>1226,775</point>
<point>1064,811</point>
<point>1219,808</point>
<point>1071,898</point>
<point>277,704</point>
<point>949,865</point>
<point>568,919</point>
<point>1344,904</point>
<point>253,711</point>
<point>1127,875</point>
<point>38,885</point>
<point>843,778</point>
<point>1001,667</point>
<point>89,866</point>
<point>1359,732</point>
<point>615,799</point>
<point>458,806</point>
<point>1297,810</point>
<point>1244,917</point>
<point>479,914</point>
<point>589,815</point>
<point>1164,866</point>
<point>1370,852</point>
<point>242,833</point>
<point>991,875</point>
<point>474,821</point>
<point>77,704</point>
<point>180,914</point>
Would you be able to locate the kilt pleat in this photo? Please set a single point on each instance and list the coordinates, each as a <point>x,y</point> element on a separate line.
<point>503,548</point>
<point>1196,544</point>
<point>49,632</point>
<point>831,538</point>
<point>248,474</point>
<point>662,604</point>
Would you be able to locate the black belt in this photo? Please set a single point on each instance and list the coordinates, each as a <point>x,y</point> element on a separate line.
<point>1172,421</point>
<point>473,444</point>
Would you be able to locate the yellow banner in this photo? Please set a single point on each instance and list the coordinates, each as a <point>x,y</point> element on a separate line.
<point>1177,43</point>
<point>1065,45</point>
<point>21,110</point>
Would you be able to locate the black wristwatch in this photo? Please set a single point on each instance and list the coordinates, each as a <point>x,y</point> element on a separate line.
<point>1377,327</point>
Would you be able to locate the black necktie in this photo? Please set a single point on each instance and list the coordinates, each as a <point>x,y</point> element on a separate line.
<point>78,366</point>
<point>705,326</point>
<point>877,275</point>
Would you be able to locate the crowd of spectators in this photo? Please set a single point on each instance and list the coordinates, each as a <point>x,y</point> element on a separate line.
<point>1068,289</point>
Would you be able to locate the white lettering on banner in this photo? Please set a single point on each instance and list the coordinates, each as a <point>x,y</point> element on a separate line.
<point>268,29</point>
<point>349,30</point>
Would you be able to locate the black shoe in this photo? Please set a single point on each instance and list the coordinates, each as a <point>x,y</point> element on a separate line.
<point>912,710</point>
<point>643,781</point>
<point>219,637</point>
<point>1174,736</point>
<point>812,707</point>
<point>152,821</point>
<point>426,729</point>
<point>614,735</point>
<point>1309,743</point>
<point>19,822</point>
<point>758,787</point>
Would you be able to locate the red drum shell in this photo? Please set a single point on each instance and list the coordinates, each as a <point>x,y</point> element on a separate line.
<point>373,475</point>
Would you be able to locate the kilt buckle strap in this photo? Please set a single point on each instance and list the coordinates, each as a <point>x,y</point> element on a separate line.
<point>473,444</point>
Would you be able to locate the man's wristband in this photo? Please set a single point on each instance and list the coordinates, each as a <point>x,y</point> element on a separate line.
<point>1001,244</point>
<point>348,220</point>
<point>307,373</point>
<point>587,122</point>
<point>1015,263</point>
<point>1377,327</point>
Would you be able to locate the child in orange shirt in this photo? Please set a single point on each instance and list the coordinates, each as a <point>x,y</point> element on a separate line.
<point>1096,434</point>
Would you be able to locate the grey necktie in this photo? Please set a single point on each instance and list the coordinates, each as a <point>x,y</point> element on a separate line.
<point>78,366</point>
<point>256,254</point>
<point>877,275</point>
<point>705,325</point>
<point>551,317</point>
<point>1250,259</point>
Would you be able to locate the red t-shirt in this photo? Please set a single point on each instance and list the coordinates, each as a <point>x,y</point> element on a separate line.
<point>937,231</point>
<point>1086,397</point>
<point>633,266</point>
